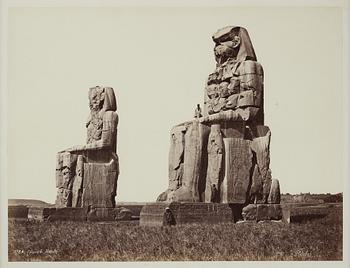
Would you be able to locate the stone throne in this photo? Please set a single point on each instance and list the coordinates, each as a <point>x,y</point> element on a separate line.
<point>223,154</point>
<point>86,175</point>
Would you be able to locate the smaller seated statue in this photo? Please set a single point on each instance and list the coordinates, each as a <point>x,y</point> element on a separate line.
<point>198,112</point>
<point>86,175</point>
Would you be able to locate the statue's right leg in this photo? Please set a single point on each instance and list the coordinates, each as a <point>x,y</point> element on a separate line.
<point>195,147</point>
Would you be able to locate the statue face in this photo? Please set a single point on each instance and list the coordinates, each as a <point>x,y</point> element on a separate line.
<point>222,53</point>
<point>227,49</point>
<point>96,99</point>
<point>236,41</point>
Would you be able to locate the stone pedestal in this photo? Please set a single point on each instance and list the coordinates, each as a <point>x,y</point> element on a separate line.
<point>153,214</point>
<point>68,214</point>
<point>79,214</point>
<point>109,214</point>
<point>261,212</point>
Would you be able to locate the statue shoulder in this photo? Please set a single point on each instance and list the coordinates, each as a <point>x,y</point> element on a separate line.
<point>251,67</point>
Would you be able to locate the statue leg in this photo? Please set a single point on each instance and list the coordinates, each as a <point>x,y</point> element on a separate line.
<point>64,179</point>
<point>256,189</point>
<point>238,169</point>
<point>176,157</point>
<point>195,146</point>
<point>261,147</point>
<point>100,181</point>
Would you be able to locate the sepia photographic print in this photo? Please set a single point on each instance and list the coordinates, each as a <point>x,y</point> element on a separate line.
<point>174,133</point>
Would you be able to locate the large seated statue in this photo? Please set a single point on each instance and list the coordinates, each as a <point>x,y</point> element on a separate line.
<point>223,155</point>
<point>87,175</point>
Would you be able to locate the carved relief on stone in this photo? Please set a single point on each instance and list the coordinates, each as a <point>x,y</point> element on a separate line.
<point>238,165</point>
<point>214,172</point>
<point>77,188</point>
<point>176,157</point>
<point>99,150</point>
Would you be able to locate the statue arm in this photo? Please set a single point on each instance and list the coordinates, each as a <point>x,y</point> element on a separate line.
<point>109,132</point>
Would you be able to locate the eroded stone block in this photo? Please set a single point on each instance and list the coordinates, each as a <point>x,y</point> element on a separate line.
<point>269,212</point>
<point>18,212</point>
<point>260,212</point>
<point>68,214</point>
<point>249,213</point>
<point>40,213</point>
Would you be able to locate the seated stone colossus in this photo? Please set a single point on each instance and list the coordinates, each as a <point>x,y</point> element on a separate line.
<point>87,175</point>
<point>223,154</point>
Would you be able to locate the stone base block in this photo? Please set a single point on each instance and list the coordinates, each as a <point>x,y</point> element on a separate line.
<point>40,213</point>
<point>306,213</point>
<point>109,214</point>
<point>18,212</point>
<point>68,214</point>
<point>260,212</point>
<point>269,212</point>
<point>102,214</point>
<point>77,214</point>
<point>154,214</point>
<point>135,209</point>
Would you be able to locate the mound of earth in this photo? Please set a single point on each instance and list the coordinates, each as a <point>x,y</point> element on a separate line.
<point>28,203</point>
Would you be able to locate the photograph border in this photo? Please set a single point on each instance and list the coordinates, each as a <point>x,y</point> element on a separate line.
<point>5,5</point>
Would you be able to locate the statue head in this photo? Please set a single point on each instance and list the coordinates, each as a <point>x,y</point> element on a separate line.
<point>96,98</point>
<point>102,98</point>
<point>233,42</point>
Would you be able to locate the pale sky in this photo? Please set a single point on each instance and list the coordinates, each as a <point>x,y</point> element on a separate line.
<point>157,60</point>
